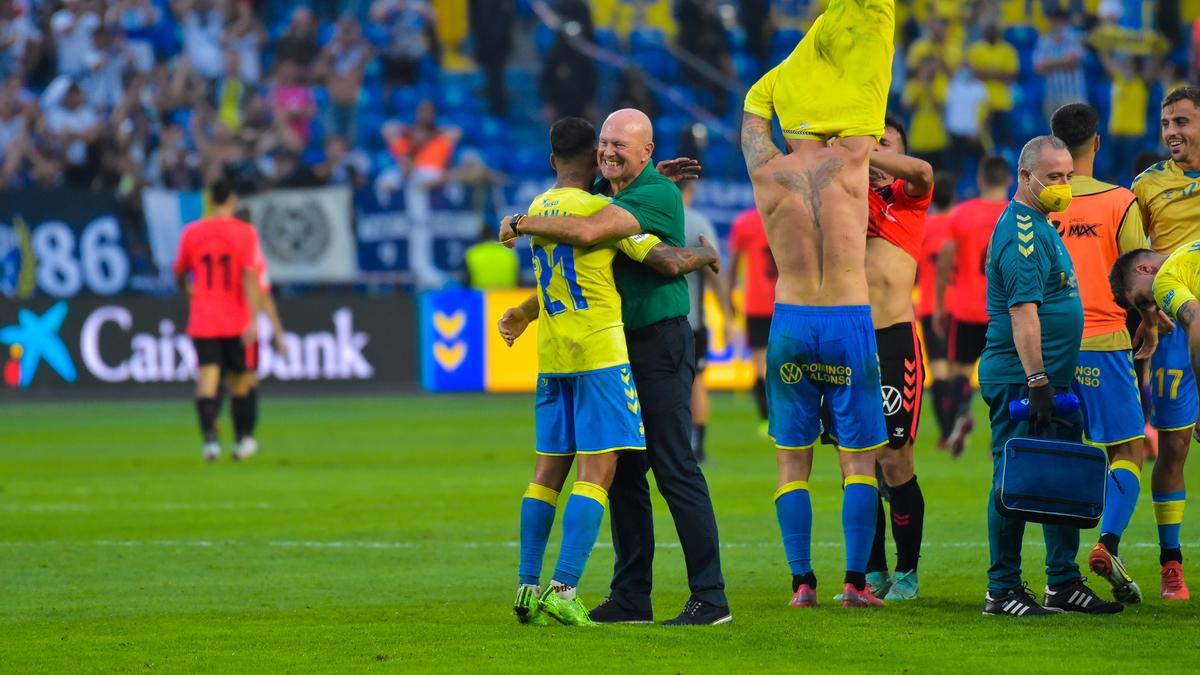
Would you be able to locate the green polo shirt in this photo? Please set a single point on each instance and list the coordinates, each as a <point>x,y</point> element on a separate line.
<point>646,296</point>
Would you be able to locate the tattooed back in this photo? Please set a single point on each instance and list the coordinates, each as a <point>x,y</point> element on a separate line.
<point>814,207</point>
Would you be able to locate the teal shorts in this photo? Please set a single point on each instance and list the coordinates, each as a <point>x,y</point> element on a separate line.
<point>588,413</point>
<point>1109,398</point>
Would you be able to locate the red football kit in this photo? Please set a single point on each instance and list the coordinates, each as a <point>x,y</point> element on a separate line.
<point>217,251</point>
<point>971,225</point>
<point>748,237</point>
<point>897,217</point>
<point>937,230</point>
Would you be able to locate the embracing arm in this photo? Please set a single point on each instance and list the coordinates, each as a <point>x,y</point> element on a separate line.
<point>1027,336</point>
<point>610,222</point>
<point>673,261</point>
<point>757,146</point>
<point>917,173</point>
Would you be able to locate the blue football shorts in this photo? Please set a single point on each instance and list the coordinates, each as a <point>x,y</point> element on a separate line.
<point>1172,385</point>
<point>1109,397</point>
<point>588,413</point>
<point>825,353</point>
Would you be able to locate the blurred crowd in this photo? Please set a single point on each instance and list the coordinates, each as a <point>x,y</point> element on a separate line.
<point>397,97</point>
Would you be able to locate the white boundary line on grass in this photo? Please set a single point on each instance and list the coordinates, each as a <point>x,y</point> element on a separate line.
<point>471,545</point>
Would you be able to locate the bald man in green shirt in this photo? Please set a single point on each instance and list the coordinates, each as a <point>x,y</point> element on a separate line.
<point>662,357</point>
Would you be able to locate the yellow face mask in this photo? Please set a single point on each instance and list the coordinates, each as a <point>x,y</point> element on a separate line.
<point>1054,198</point>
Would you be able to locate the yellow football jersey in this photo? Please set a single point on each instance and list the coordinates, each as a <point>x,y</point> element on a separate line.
<point>579,324</point>
<point>1170,201</point>
<point>1178,280</point>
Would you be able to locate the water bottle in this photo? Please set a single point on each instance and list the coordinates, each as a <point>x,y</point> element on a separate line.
<point>1064,404</point>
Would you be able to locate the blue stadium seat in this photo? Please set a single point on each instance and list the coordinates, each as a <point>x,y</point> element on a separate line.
<point>405,99</point>
<point>370,123</point>
<point>747,67</point>
<point>544,38</point>
<point>658,62</point>
<point>644,38</point>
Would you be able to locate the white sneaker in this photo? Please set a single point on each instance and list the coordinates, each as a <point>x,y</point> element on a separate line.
<point>212,451</point>
<point>245,448</point>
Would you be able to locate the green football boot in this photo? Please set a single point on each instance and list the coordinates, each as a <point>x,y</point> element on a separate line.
<point>878,582</point>
<point>904,587</point>
<point>527,608</point>
<point>566,612</point>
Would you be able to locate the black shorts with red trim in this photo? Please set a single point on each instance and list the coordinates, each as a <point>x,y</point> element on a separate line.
<point>758,331</point>
<point>965,342</point>
<point>228,353</point>
<point>902,378</point>
<point>935,346</point>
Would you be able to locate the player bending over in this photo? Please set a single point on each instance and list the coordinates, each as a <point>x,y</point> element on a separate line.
<point>1170,201</point>
<point>587,403</point>
<point>830,94</point>
<point>215,266</point>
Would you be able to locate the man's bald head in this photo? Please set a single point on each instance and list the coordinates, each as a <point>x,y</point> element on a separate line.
<point>626,146</point>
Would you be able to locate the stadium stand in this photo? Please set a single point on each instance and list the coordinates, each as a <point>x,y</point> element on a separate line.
<point>122,95</point>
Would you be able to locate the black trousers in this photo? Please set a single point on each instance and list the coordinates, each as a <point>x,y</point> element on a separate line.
<point>663,360</point>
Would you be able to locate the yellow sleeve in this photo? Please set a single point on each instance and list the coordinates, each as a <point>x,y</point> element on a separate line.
<point>638,246</point>
<point>1012,61</point>
<point>1131,233</point>
<point>1170,290</point>
<point>760,100</point>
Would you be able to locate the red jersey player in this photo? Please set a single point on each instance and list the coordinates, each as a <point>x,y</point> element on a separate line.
<point>901,190</point>
<point>937,230</point>
<point>215,265</point>
<point>748,240</point>
<point>965,321</point>
<point>245,409</point>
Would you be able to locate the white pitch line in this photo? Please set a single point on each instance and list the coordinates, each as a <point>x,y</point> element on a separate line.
<point>54,508</point>
<point>393,545</point>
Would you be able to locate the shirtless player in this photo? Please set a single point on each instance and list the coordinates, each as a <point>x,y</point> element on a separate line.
<point>901,191</point>
<point>830,94</point>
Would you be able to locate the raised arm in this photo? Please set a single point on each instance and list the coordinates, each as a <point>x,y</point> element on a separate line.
<point>610,222</point>
<point>757,146</point>
<point>916,173</point>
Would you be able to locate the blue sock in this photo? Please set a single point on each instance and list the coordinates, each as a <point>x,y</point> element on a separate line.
<point>537,517</point>
<point>793,507</point>
<point>860,501</point>
<point>1168,513</point>
<point>1121,498</point>
<point>581,526</point>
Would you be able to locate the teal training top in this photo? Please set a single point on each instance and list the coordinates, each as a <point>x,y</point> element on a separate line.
<point>1027,262</point>
<point>646,296</point>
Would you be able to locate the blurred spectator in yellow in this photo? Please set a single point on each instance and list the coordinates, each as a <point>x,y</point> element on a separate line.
<point>490,265</point>
<point>926,98</point>
<point>935,43</point>
<point>995,62</point>
<point>1130,105</point>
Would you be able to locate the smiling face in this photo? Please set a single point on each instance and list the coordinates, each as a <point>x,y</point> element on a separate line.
<point>1181,133</point>
<point>626,145</point>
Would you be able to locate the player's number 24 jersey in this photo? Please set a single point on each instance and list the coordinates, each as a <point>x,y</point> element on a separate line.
<point>579,325</point>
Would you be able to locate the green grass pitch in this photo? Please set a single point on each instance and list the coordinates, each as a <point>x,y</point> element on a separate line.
<point>380,533</point>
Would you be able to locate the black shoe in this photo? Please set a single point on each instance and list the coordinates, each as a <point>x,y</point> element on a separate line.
<point>1016,601</point>
<point>699,613</point>
<point>1076,597</point>
<point>610,611</point>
